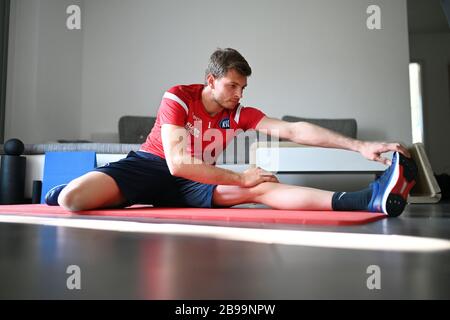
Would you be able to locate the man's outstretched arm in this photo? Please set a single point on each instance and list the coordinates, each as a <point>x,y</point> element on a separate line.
<point>309,134</point>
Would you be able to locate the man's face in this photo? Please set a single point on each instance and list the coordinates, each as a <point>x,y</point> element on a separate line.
<point>228,90</point>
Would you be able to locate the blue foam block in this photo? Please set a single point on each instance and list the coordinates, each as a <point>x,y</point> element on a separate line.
<point>63,167</point>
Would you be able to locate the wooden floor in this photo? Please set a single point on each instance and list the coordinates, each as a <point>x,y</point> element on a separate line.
<point>34,262</point>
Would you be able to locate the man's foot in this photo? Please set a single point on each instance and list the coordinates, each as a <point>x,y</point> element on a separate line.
<point>51,198</point>
<point>390,191</point>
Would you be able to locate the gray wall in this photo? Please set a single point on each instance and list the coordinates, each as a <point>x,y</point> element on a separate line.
<point>432,50</point>
<point>4,39</point>
<point>310,58</point>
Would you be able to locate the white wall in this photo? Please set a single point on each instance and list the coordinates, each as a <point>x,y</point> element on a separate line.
<point>44,73</point>
<point>310,58</point>
<point>433,52</point>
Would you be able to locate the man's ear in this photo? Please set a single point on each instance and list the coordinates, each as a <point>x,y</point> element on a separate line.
<point>210,81</point>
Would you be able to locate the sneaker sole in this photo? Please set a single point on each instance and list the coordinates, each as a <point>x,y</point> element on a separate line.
<point>400,184</point>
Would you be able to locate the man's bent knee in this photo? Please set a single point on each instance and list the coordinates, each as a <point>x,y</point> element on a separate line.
<point>92,191</point>
<point>72,200</point>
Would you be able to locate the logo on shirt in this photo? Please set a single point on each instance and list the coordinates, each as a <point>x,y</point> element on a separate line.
<point>225,123</point>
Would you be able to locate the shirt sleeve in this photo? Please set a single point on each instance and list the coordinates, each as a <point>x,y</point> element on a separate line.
<point>173,110</point>
<point>249,117</point>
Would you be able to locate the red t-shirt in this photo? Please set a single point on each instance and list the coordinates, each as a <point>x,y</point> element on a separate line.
<point>182,106</point>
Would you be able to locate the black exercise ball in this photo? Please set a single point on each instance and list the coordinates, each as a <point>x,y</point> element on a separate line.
<point>14,147</point>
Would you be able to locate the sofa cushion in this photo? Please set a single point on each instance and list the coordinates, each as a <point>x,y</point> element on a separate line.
<point>135,129</point>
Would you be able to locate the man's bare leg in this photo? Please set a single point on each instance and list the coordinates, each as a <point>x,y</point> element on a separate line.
<point>93,190</point>
<point>275,195</point>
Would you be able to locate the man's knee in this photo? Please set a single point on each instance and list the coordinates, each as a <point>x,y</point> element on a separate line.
<point>71,199</point>
<point>263,188</point>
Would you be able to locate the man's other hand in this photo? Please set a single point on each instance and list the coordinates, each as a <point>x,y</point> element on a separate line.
<point>254,176</point>
<point>374,150</point>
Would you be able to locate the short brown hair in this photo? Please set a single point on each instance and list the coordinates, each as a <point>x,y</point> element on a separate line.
<point>223,60</point>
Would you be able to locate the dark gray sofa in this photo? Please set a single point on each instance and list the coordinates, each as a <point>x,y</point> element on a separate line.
<point>133,131</point>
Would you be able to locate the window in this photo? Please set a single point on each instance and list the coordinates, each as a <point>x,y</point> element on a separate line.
<point>415,84</point>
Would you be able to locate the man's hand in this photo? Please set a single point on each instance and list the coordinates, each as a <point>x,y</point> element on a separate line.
<point>254,176</point>
<point>373,151</point>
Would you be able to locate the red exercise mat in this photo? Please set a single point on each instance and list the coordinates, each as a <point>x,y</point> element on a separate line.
<point>200,214</point>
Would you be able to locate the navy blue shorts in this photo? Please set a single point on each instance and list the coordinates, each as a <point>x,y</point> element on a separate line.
<point>144,178</point>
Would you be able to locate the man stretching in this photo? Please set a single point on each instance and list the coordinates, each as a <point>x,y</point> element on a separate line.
<point>175,166</point>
